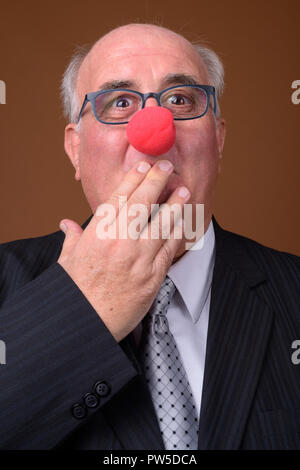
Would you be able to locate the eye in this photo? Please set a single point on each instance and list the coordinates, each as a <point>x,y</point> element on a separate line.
<point>122,102</point>
<point>178,100</point>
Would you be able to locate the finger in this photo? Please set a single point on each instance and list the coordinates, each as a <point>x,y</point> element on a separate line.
<point>121,195</point>
<point>148,192</point>
<point>72,232</point>
<point>168,250</point>
<point>161,227</point>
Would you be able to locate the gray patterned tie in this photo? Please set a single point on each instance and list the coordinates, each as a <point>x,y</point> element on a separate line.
<point>166,376</point>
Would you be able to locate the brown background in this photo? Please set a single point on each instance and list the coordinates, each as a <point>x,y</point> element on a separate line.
<point>258,191</point>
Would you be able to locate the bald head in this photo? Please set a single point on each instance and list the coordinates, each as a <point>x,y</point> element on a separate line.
<point>131,40</point>
<point>85,62</point>
<point>147,33</point>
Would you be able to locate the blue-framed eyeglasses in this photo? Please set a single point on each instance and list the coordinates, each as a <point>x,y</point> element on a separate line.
<point>118,106</point>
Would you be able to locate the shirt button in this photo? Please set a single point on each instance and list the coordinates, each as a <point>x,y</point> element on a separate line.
<point>78,411</point>
<point>102,388</point>
<point>90,400</point>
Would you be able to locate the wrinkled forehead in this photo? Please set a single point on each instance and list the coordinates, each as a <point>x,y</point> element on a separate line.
<point>159,49</point>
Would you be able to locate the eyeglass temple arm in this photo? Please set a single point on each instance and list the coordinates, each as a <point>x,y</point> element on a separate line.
<point>213,92</point>
<point>82,108</point>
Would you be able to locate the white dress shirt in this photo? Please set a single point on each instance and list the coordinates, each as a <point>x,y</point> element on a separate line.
<point>188,311</point>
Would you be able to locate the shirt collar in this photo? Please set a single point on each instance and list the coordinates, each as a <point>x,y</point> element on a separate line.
<point>192,273</point>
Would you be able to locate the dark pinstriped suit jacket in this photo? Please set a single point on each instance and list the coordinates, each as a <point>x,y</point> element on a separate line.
<point>58,348</point>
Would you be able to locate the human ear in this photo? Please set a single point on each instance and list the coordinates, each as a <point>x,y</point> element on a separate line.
<point>220,134</point>
<point>72,143</point>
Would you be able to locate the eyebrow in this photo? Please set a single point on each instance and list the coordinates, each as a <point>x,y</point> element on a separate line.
<point>115,84</point>
<point>168,80</point>
<point>180,79</point>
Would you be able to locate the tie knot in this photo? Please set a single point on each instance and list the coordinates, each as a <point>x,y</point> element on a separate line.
<point>156,317</point>
<point>163,298</point>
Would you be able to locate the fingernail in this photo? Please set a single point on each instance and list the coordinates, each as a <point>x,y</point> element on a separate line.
<point>143,167</point>
<point>63,227</point>
<point>165,165</point>
<point>183,192</point>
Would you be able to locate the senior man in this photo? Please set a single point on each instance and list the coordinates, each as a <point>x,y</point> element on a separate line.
<point>140,343</point>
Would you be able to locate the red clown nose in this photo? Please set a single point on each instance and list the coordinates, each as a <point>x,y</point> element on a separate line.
<point>151,130</point>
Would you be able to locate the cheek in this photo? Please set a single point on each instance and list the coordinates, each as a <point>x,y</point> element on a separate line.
<point>197,144</point>
<point>197,152</point>
<point>101,142</point>
<point>101,153</point>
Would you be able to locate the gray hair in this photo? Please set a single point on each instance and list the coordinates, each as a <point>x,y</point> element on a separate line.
<point>69,95</point>
<point>214,69</point>
<point>68,91</point>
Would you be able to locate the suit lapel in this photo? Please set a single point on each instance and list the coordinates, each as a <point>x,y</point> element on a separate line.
<point>239,328</point>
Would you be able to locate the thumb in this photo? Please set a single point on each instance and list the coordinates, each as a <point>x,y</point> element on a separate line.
<point>72,232</point>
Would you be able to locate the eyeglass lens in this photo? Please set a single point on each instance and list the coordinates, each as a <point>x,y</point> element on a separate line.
<point>119,106</point>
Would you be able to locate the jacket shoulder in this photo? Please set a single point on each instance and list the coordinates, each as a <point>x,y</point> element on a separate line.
<point>280,267</point>
<point>258,249</point>
<point>23,260</point>
<point>30,248</point>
